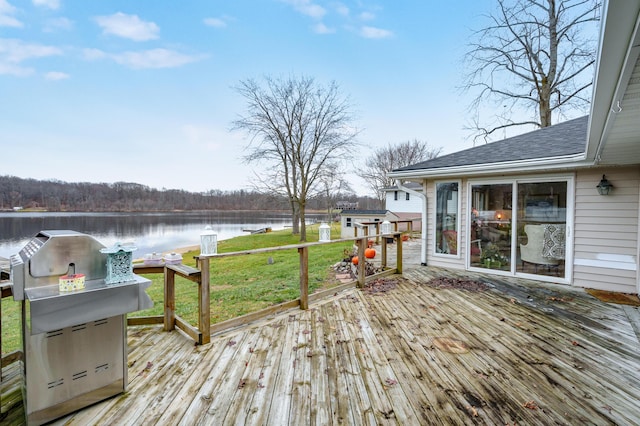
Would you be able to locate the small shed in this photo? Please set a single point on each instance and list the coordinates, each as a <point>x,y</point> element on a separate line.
<point>349,219</point>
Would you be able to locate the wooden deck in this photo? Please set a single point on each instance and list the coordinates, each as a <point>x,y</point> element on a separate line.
<point>519,352</point>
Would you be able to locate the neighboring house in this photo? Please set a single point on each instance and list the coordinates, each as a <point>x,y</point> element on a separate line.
<point>405,204</point>
<point>400,201</point>
<point>528,206</point>
<point>351,219</point>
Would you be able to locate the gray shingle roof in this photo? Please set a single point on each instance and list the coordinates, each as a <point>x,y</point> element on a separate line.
<point>363,212</point>
<point>567,138</point>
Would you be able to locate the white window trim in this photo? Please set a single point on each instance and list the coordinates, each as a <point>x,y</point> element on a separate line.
<point>434,213</point>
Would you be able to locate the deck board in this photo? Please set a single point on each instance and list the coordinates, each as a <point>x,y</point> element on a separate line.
<point>537,354</point>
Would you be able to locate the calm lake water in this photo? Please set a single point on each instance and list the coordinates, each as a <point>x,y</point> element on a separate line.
<point>150,232</point>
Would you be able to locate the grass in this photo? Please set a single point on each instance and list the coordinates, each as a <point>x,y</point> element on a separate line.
<point>239,284</point>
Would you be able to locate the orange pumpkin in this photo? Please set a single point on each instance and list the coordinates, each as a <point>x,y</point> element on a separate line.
<point>370,253</point>
<point>354,260</point>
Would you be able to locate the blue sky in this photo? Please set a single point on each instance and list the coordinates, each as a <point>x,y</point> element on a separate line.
<point>142,91</point>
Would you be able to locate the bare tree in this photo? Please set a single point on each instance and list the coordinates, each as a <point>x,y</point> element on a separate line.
<point>297,129</point>
<point>531,58</point>
<point>391,157</point>
<point>332,185</point>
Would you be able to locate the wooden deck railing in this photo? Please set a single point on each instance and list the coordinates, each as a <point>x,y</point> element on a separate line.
<point>200,275</point>
<point>364,226</point>
<point>170,319</point>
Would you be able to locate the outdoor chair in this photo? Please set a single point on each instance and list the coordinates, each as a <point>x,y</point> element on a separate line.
<point>532,252</point>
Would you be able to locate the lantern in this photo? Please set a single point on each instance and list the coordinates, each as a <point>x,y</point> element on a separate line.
<point>208,242</point>
<point>604,187</point>
<point>385,227</point>
<point>119,263</point>
<point>325,232</point>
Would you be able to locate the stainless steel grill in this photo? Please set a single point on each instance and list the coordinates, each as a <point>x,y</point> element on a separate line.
<point>74,342</point>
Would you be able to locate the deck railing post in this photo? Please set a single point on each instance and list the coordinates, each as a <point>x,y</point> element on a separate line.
<point>204,301</point>
<point>169,299</point>
<point>362,261</point>
<point>304,277</point>
<point>399,253</point>
<point>383,255</point>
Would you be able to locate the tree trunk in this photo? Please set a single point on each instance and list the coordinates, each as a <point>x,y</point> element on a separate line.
<point>545,103</point>
<point>303,224</point>
<point>545,112</point>
<point>295,217</point>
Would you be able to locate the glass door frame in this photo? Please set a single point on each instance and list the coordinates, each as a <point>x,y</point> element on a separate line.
<point>514,181</point>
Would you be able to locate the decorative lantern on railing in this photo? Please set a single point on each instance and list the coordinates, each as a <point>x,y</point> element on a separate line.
<point>325,232</point>
<point>119,263</point>
<point>385,227</point>
<point>208,242</point>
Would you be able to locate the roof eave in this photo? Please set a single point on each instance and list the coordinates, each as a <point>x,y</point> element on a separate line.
<point>615,60</point>
<point>535,165</point>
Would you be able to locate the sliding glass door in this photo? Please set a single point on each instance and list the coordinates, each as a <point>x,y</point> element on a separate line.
<point>519,226</point>
<point>490,236</point>
<point>542,223</point>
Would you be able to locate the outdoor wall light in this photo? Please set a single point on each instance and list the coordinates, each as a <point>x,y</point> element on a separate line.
<point>604,187</point>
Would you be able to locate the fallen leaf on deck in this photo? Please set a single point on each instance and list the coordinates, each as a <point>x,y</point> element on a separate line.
<point>146,369</point>
<point>531,405</point>
<point>472,410</point>
<point>231,343</point>
<point>391,381</point>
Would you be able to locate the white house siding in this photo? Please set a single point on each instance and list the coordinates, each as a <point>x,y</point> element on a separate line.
<point>606,230</point>
<point>402,205</point>
<point>349,232</point>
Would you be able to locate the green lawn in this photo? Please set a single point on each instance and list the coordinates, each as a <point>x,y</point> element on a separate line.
<point>239,284</point>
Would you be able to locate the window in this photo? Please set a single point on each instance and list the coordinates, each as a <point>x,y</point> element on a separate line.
<point>407,197</point>
<point>348,223</point>
<point>447,227</point>
<point>395,195</point>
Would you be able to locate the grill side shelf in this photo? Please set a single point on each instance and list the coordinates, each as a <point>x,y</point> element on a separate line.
<point>51,309</point>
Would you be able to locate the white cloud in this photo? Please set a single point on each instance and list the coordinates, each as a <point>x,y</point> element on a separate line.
<point>53,25</point>
<point>51,4</point>
<point>56,75</point>
<point>367,16</point>
<point>215,22</point>
<point>6,15</point>
<point>16,51</point>
<point>307,7</point>
<point>13,52</point>
<point>15,70</point>
<point>321,28</point>
<point>373,32</point>
<point>342,9</point>
<point>154,58</point>
<point>128,26</point>
<point>94,54</point>
<point>144,59</point>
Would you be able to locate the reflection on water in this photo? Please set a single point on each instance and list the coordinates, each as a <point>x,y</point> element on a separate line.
<point>150,232</point>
